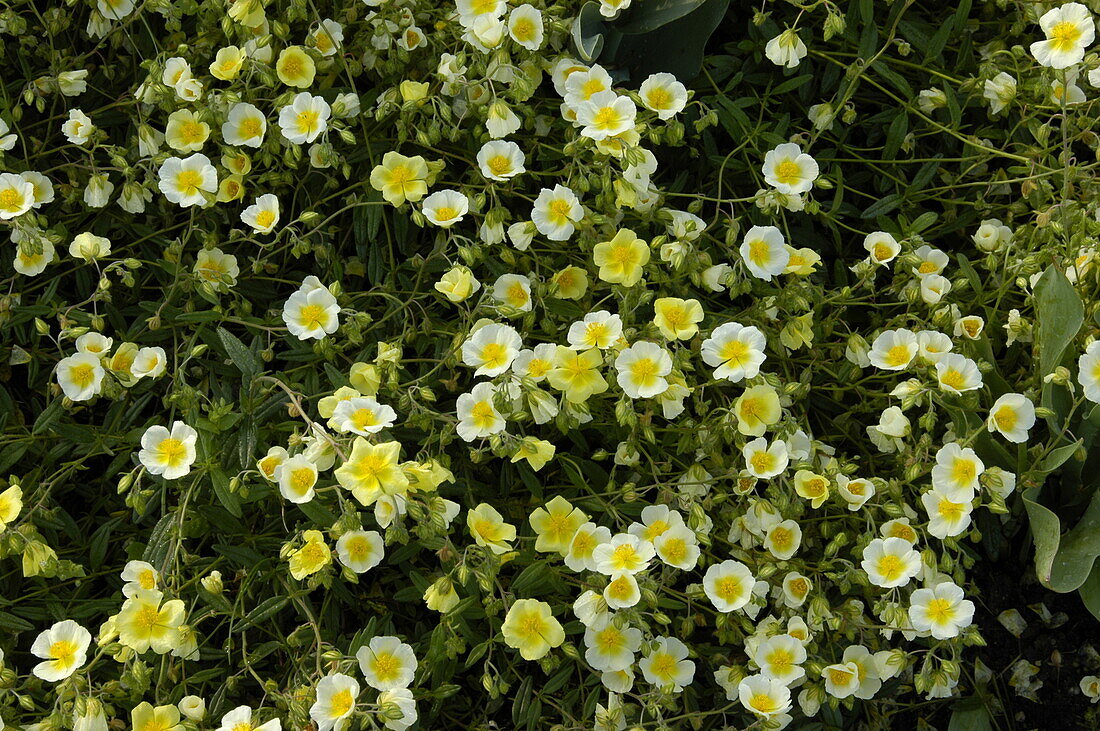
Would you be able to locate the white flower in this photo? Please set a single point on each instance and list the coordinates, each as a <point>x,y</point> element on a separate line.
<point>362,415</point>
<point>584,83</point>
<point>894,350</point>
<point>663,94</point>
<point>735,351</point>
<point>246,125</point>
<point>240,719</point>
<point>932,261</point>
<point>622,591</point>
<point>582,548</point>
<point>941,610</point>
<point>305,118</point>
<point>957,373</point>
<point>1090,687</point>
<point>790,170</point>
<point>890,562</point>
<point>678,547</point>
<point>169,454</point>
<point>262,215</point>
<point>932,345</point>
<point>185,181</point>
<point>606,114</point>
<point>991,235</point>
<point>764,696</point>
<point>641,370</point>
<point>1000,91</point>
<point>491,349</point>
<point>1069,30</point>
<point>666,665</point>
<point>841,680</point>
<point>855,492</point>
<point>477,416</point>
<point>63,647</point>
<point>97,193</point>
<point>610,644</point>
<point>78,128</point>
<point>882,247</point>
<point>624,553</point>
<point>1088,372</point>
<point>445,208</point>
<point>16,195</point>
<point>336,696</point>
<point>728,585</point>
<point>7,141</point>
<point>957,471</point>
<point>946,517</point>
<point>80,376</point>
<point>149,363</point>
<point>933,287</point>
<point>764,461</point>
<point>327,37</point>
<point>598,329</point>
<point>360,550</point>
<point>387,663</point>
<point>33,264</point>
<point>556,213</point>
<point>402,700</point>
<point>139,576</point>
<point>783,539</point>
<point>525,26</point>
<point>893,426</point>
<point>1012,416</point>
<point>786,49</point>
<point>312,312</point>
<point>514,291</point>
<point>764,252</point>
<point>929,100</point>
<point>501,121</point>
<point>43,188</point>
<point>780,658</point>
<point>500,160</point>
<point>296,478</point>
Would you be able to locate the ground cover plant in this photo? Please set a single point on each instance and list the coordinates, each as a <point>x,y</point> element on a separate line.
<point>646,364</point>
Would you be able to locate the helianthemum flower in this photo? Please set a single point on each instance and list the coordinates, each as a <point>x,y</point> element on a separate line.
<point>531,628</point>
<point>63,649</point>
<point>790,170</point>
<point>169,454</point>
<point>1069,30</point>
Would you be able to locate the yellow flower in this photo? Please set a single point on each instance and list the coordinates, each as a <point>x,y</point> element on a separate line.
<point>441,596</point>
<point>577,374</point>
<point>365,378</point>
<point>621,259</point>
<point>400,178</point>
<point>530,627</point>
<point>556,524</point>
<point>231,188</point>
<point>313,556</point>
<point>757,409</point>
<point>458,284</point>
<point>295,67</point>
<point>572,283</point>
<point>537,452</point>
<point>327,405</point>
<point>185,131</point>
<point>145,717</point>
<point>413,91</point>
<point>11,502</point>
<point>227,63</point>
<point>372,471</point>
<point>489,530</point>
<point>144,623</point>
<point>811,486</point>
<point>676,318</point>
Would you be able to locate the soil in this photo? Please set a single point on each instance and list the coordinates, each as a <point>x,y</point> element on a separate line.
<point>1064,654</point>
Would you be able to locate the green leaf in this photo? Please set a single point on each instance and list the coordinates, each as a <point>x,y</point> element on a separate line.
<point>1090,592</point>
<point>882,206</point>
<point>1060,314</point>
<point>588,32</point>
<point>1058,457</point>
<point>1063,563</point>
<point>225,496</point>
<point>264,610</point>
<point>653,14</point>
<point>675,47</point>
<point>970,714</point>
<point>242,356</point>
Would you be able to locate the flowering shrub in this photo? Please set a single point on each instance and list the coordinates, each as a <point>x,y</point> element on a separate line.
<point>392,363</point>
